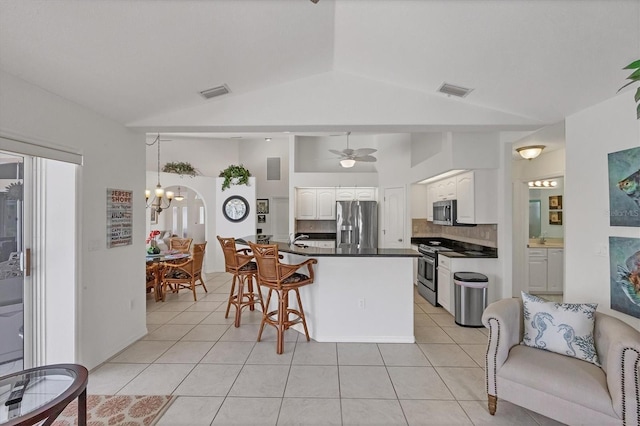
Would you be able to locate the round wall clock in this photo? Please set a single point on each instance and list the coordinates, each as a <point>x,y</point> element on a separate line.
<point>235,208</point>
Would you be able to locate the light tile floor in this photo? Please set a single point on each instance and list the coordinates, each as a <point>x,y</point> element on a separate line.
<point>222,376</point>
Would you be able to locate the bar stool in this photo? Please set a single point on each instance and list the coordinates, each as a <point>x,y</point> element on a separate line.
<point>239,263</point>
<point>281,278</point>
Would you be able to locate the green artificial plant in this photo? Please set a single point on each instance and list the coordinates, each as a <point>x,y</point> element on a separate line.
<point>232,172</point>
<point>635,78</point>
<point>180,168</point>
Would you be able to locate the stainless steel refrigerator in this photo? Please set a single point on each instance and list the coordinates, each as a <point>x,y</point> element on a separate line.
<point>356,224</point>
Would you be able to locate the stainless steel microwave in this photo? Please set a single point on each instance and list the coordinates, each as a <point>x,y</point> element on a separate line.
<point>445,212</point>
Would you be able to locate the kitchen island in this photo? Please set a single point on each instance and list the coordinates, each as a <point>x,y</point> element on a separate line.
<point>359,295</point>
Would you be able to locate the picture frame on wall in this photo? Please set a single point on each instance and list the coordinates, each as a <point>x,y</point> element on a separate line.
<point>154,216</point>
<point>555,202</point>
<point>262,206</point>
<point>624,181</point>
<point>555,218</point>
<point>262,218</point>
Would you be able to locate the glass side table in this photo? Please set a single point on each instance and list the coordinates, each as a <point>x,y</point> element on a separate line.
<point>50,389</point>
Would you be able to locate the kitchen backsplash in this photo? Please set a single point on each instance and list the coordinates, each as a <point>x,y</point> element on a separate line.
<point>316,226</point>
<point>484,235</point>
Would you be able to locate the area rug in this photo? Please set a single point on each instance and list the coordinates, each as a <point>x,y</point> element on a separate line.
<point>114,410</point>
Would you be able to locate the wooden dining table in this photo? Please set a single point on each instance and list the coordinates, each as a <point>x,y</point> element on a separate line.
<point>156,261</point>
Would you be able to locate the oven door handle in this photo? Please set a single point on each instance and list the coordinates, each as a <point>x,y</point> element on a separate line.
<point>429,260</point>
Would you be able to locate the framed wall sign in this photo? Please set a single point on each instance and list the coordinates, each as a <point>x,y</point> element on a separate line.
<point>119,217</point>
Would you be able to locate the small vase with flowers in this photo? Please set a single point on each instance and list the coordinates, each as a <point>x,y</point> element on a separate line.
<point>153,244</point>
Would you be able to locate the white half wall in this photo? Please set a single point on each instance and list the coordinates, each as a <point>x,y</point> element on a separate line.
<point>610,126</point>
<point>224,227</point>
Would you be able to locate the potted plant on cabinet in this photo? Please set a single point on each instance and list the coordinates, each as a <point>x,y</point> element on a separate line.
<point>635,78</point>
<point>234,175</point>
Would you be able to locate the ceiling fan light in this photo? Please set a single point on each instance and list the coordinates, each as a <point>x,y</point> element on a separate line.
<point>530,152</point>
<point>347,163</point>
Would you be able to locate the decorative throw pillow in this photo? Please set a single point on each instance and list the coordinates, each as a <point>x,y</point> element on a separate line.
<point>564,328</point>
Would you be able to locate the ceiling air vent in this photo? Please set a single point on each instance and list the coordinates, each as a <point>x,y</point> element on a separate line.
<point>452,90</point>
<point>216,91</point>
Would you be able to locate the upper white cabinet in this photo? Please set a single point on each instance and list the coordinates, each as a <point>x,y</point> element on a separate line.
<point>432,195</point>
<point>316,203</point>
<point>446,189</point>
<point>361,194</point>
<point>475,192</point>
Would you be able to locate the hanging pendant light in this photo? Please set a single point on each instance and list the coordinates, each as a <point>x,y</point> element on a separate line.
<point>179,196</point>
<point>161,199</point>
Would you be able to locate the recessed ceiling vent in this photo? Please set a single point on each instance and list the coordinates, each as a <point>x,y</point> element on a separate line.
<point>452,90</point>
<point>216,91</point>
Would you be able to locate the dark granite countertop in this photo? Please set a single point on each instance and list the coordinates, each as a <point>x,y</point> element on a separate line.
<point>460,248</point>
<point>303,250</point>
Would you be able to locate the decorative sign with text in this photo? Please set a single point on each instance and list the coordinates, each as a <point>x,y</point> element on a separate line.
<point>119,217</point>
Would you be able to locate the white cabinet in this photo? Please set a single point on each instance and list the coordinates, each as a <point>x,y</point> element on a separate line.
<point>466,197</point>
<point>315,203</point>
<point>326,203</point>
<point>476,194</point>
<point>361,194</point>
<point>415,265</point>
<point>446,189</point>
<point>319,243</point>
<point>537,270</point>
<point>432,195</point>
<point>546,270</point>
<point>555,269</point>
<point>445,283</point>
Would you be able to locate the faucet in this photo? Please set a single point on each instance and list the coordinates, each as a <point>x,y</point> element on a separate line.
<point>292,239</point>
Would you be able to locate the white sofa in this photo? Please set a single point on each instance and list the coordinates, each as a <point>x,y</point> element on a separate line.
<point>566,389</point>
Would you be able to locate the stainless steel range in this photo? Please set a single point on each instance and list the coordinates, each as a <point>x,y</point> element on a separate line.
<point>428,270</point>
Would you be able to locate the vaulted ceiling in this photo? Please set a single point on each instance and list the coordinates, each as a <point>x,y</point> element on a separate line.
<point>331,65</point>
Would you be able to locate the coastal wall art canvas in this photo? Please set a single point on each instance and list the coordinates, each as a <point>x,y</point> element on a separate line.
<point>624,254</point>
<point>624,187</point>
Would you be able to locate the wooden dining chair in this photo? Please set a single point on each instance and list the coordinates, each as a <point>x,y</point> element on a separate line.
<point>281,278</point>
<point>184,275</point>
<point>153,280</point>
<point>240,264</point>
<point>180,244</point>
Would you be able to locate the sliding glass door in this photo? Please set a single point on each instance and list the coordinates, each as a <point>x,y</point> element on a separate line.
<point>12,262</point>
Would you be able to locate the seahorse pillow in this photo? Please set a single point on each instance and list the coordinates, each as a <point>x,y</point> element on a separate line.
<point>564,328</point>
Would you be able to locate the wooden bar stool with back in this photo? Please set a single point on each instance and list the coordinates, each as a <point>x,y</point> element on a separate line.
<point>240,264</point>
<point>281,278</point>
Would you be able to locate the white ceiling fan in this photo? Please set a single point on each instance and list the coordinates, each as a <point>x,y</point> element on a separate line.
<point>349,157</point>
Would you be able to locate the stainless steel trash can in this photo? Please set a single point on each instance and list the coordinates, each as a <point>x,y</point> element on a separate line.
<point>470,298</point>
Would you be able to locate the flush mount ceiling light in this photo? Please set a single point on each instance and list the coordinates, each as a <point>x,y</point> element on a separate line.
<point>530,152</point>
<point>267,139</point>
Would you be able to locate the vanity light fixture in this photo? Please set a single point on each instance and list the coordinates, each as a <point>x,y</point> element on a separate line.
<point>543,184</point>
<point>530,152</point>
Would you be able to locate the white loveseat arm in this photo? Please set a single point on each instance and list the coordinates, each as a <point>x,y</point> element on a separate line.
<point>505,323</point>
<point>618,347</point>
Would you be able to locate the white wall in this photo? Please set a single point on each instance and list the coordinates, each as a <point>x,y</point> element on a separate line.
<point>110,301</point>
<point>253,154</point>
<point>591,134</point>
<point>208,155</point>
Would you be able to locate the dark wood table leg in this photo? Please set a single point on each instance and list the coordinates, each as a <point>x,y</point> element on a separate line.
<point>82,408</point>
